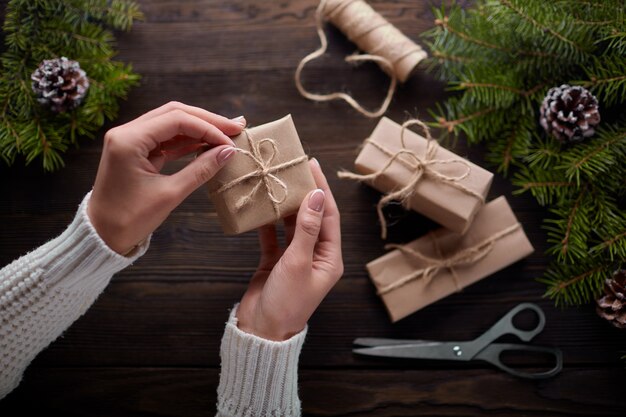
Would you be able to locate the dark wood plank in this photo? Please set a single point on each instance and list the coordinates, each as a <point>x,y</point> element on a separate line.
<point>283,32</point>
<point>181,323</point>
<point>191,392</point>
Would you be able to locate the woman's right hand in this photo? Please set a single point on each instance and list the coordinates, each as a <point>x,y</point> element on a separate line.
<point>290,283</point>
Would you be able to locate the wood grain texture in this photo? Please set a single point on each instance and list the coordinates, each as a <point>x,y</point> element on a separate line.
<point>150,344</point>
<point>132,392</point>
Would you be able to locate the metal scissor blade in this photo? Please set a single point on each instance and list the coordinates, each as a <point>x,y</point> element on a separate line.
<point>427,350</point>
<point>379,341</point>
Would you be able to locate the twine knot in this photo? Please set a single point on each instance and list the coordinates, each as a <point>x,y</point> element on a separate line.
<point>265,173</point>
<point>418,165</point>
<point>463,257</point>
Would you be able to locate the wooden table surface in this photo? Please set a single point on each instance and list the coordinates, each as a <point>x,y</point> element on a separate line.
<point>149,345</point>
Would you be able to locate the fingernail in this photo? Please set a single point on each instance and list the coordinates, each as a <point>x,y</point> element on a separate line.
<point>239,120</point>
<point>224,154</point>
<point>316,200</point>
<point>315,161</point>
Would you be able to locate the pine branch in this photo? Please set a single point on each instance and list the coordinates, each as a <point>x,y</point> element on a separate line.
<point>569,231</point>
<point>575,284</point>
<point>500,57</point>
<point>607,78</point>
<point>518,8</point>
<point>592,160</point>
<point>45,29</point>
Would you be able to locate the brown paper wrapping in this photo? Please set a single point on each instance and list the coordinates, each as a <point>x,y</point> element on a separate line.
<point>443,203</point>
<point>373,34</point>
<point>494,217</point>
<point>260,211</point>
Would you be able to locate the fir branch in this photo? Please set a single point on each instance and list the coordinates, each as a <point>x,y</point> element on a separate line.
<point>500,90</point>
<point>511,147</point>
<point>568,243</point>
<point>543,28</point>
<point>606,78</point>
<point>573,284</point>
<point>592,159</point>
<point>44,29</point>
<point>614,245</point>
<point>518,91</point>
<point>444,23</point>
<point>452,125</point>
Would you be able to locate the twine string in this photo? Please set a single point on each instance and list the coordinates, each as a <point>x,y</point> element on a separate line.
<point>355,28</point>
<point>419,167</point>
<point>265,172</point>
<point>464,257</point>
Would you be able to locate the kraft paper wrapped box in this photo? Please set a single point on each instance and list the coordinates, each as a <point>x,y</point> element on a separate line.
<point>452,205</point>
<point>436,265</point>
<point>266,180</point>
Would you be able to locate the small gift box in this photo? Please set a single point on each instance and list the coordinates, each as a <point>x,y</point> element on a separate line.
<point>265,180</point>
<point>434,266</point>
<point>424,176</point>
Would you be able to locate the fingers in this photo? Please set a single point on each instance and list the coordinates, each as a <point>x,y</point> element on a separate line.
<point>175,123</point>
<point>331,228</point>
<point>230,127</point>
<point>307,229</point>
<point>201,169</point>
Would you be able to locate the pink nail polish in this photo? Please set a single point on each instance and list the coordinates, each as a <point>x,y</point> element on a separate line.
<point>239,120</point>
<point>224,154</point>
<point>316,200</point>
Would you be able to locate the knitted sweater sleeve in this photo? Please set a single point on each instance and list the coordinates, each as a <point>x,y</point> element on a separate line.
<point>259,377</point>
<point>45,291</point>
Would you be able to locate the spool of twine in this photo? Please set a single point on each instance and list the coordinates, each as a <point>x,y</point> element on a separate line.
<point>383,43</point>
<point>375,35</point>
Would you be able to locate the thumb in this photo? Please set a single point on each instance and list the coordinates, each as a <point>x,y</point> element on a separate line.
<point>308,225</point>
<point>202,169</point>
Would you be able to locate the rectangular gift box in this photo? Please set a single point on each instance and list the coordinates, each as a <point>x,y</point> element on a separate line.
<point>441,202</point>
<point>495,223</point>
<point>287,164</point>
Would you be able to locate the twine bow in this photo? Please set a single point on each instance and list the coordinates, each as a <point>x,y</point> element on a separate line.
<point>464,257</point>
<point>419,166</point>
<point>265,173</point>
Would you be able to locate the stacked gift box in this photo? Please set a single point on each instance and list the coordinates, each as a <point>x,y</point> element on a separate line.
<point>477,239</point>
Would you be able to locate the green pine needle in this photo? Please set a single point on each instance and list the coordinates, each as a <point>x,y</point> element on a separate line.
<point>500,57</point>
<point>45,29</point>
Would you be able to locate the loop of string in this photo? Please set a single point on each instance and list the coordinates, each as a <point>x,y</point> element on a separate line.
<point>464,257</point>
<point>419,167</point>
<point>265,173</point>
<point>393,44</point>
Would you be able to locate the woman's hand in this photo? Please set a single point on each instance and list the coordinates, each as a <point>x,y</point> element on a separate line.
<point>130,197</point>
<point>291,283</point>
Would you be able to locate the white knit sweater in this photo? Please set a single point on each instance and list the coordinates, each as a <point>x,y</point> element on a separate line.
<point>45,291</point>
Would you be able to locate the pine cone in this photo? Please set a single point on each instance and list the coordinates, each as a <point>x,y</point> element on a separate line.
<point>60,84</point>
<point>612,305</point>
<point>569,113</point>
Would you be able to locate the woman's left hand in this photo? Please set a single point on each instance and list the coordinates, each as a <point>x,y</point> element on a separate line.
<point>130,197</point>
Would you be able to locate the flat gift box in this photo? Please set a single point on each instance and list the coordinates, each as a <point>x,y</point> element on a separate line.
<point>447,205</point>
<point>295,174</point>
<point>495,219</point>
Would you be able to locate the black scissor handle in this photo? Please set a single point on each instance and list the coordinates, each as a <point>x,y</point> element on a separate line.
<point>492,354</point>
<point>505,326</point>
<point>506,323</point>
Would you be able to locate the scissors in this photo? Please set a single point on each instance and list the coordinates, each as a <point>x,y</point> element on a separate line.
<point>480,348</point>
